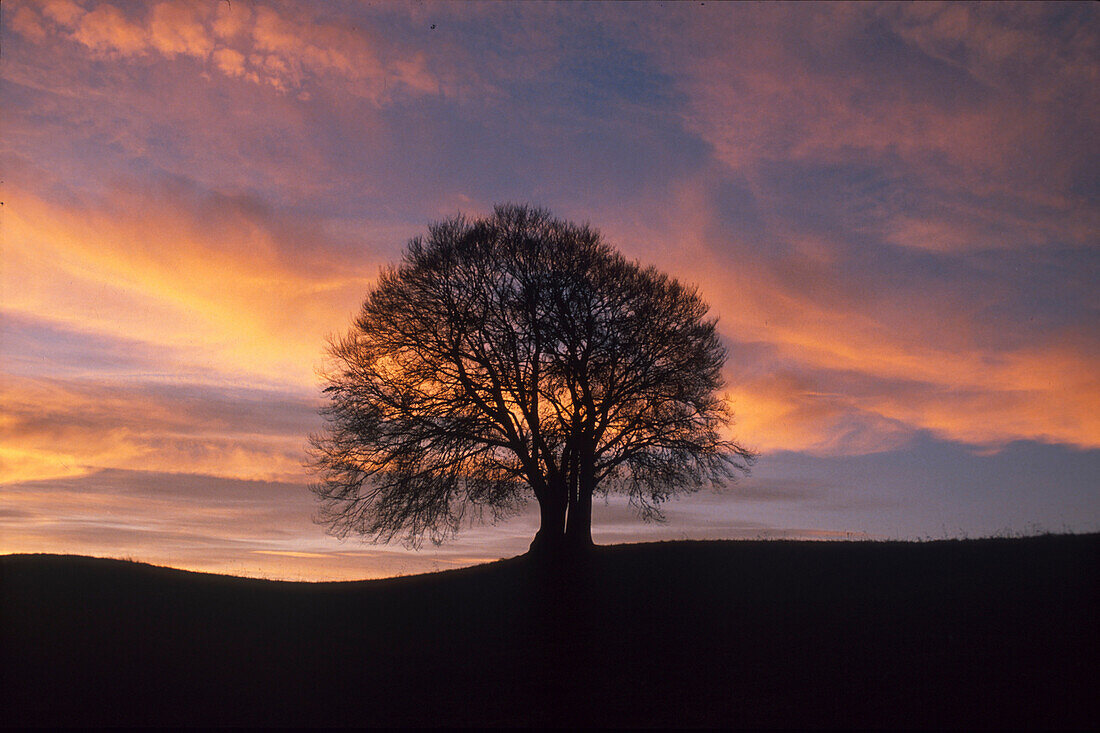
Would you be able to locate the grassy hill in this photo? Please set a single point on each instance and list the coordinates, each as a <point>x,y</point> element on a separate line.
<point>979,633</point>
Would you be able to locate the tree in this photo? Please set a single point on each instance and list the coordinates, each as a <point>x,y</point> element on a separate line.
<point>513,355</point>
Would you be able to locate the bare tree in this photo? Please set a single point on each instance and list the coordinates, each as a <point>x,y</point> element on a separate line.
<point>511,355</point>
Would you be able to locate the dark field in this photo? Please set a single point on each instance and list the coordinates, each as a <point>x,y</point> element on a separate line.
<point>980,633</point>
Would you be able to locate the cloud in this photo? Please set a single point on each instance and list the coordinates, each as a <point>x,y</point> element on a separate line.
<point>107,30</point>
<point>230,62</point>
<point>245,292</point>
<point>199,522</point>
<point>854,199</point>
<point>56,428</point>
<point>178,28</point>
<point>842,343</point>
<point>895,223</point>
<point>984,106</point>
<point>220,520</point>
<point>26,22</point>
<point>891,208</point>
<point>284,46</point>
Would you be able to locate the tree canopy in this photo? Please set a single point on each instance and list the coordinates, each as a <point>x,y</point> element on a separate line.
<point>512,355</point>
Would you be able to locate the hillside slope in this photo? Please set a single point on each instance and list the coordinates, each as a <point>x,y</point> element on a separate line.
<point>983,633</point>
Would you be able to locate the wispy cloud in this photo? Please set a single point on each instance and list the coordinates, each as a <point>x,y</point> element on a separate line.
<point>71,427</point>
<point>247,291</point>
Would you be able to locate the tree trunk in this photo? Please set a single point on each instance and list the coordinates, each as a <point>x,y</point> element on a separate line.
<point>550,539</point>
<point>578,530</point>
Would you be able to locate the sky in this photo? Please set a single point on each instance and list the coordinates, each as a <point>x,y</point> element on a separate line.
<point>893,210</point>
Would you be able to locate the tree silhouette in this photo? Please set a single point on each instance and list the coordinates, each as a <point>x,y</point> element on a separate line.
<point>511,355</point>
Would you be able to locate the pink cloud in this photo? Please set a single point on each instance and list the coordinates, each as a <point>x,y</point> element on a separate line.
<point>107,30</point>
<point>230,62</point>
<point>280,46</point>
<point>180,28</point>
<point>65,12</point>
<point>969,99</point>
<point>27,23</point>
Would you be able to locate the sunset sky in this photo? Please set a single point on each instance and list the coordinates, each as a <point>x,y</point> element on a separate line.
<point>893,210</point>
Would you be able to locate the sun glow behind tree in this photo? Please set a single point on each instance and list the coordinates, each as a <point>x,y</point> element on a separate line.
<point>519,353</point>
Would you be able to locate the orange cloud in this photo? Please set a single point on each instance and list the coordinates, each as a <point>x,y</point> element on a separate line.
<point>279,48</point>
<point>107,30</point>
<point>840,366</point>
<point>220,279</point>
<point>230,62</point>
<point>26,23</point>
<point>64,12</point>
<point>1048,391</point>
<point>55,428</point>
<point>180,28</point>
<point>212,291</point>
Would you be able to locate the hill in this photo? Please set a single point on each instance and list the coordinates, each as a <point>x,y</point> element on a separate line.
<point>978,633</point>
